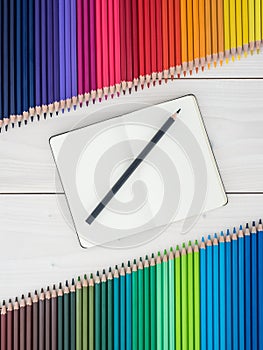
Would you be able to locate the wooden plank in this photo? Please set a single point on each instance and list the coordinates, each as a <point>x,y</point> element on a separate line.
<point>232,111</point>
<point>40,247</point>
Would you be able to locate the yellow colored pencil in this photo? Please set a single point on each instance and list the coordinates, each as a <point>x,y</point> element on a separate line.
<point>239,27</point>
<point>196,33</point>
<point>183,9</point>
<point>233,39</point>
<point>245,26</point>
<point>251,24</point>
<point>227,29</point>
<point>190,39</point>
<point>220,30</point>
<point>208,40</point>
<point>202,32</point>
<point>258,20</point>
<point>214,31</point>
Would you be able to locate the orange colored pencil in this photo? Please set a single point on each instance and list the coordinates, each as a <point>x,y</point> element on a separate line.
<point>202,32</point>
<point>220,30</point>
<point>196,34</point>
<point>214,31</point>
<point>183,9</point>
<point>190,39</point>
<point>165,39</point>
<point>171,38</point>
<point>208,39</point>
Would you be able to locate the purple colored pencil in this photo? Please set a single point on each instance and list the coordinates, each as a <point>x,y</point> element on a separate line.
<point>68,53</point>
<point>56,53</point>
<point>50,67</point>
<point>93,83</point>
<point>86,27</point>
<point>62,68</point>
<point>37,57</point>
<point>73,41</point>
<point>43,56</point>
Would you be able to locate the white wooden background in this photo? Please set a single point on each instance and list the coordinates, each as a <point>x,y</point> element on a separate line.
<point>39,246</point>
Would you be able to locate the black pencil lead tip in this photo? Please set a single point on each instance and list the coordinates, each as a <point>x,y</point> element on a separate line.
<point>60,285</point>
<point>179,110</point>
<point>6,127</point>
<point>16,299</point>
<point>57,113</point>
<point>72,281</point>
<point>66,283</point>
<point>42,290</point>
<point>75,107</point>
<point>87,103</point>
<point>97,274</point>
<point>253,223</point>
<point>260,222</point>
<point>45,115</point>
<point>29,295</point>
<point>32,118</point>
<point>247,225</point>
<point>47,288</point>
<point>3,302</point>
<point>19,124</point>
<point>22,297</point>
<point>109,269</point>
<point>10,300</point>
<point>54,286</point>
<point>122,265</point>
<point>25,121</point>
<point>13,125</point>
<point>38,117</point>
<point>0,130</point>
<point>51,115</point>
<point>129,263</point>
<point>103,271</point>
<point>35,292</point>
<point>130,90</point>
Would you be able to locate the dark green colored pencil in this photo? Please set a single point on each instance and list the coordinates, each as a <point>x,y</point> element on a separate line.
<point>91,313</point>
<point>110,310</point>
<point>85,305</point>
<point>60,318</point>
<point>73,316</point>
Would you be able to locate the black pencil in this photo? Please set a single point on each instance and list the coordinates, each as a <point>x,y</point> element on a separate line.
<point>134,165</point>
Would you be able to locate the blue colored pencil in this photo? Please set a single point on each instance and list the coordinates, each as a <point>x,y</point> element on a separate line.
<point>122,308</point>
<point>12,60</point>
<point>228,265</point>
<point>56,53</point>
<point>222,291</point>
<point>235,293</point>
<point>247,287</point>
<point>5,53</point>
<point>260,285</point>
<point>241,288</point>
<point>25,48</point>
<point>216,325</point>
<point>209,256</point>
<point>44,53</point>
<point>73,51</point>
<point>254,286</point>
<point>50,54</point>
<point>128,307</point>
<point>31,58</point>
<point>68,76</point>
<point>116,311</point>
<point>203,298</point>
<point>62,69</point>
<point>38,58</point>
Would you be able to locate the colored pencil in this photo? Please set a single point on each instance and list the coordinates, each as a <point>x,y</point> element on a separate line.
<point>172,43</point>
<point>190,295</point>
<point>1,78</point>
<point>135,49</point>
<point>197,325</point>
<point>147,40</point>
<point>134,306</point>
<point>68,66</point>
<point>35,321</point>
<point>122,308</point>
<point>178,37</point>
<point>105,47</point>
<point>3,326</point>
<point>241,288</point>
<point>128,320</point>
<point>91,314</point>
<point>54,319</point>
<point>203,298</point>
<point>215,293</point>
<point>18,62</point>
<point>214,31</point>
<point>196,33</point>
<point>47,319</point>
<point>110,310</point>
<point>228,293</point>
<point>56,55</point>
<point>258,23</point>
<point>165,296</point>
<point>123,45</point>
<point>260,284</point>
<point>190,36</point>
<point>165,38</point>
<point>153,40</point>
<point>220,31</point>
<point>80,48</point>
<point>111,47</point>
<point>92,49</point>
<point>9,325</point>
<point>184,295</point>
<point>233,39</point>
<point>116,308</point>
<point>254,287</point>
<point>178,299</point>
<point>85,313</point>
<point>50,62</point>
<point>5,62</point>
<point>159,39</point>
<point>140,306</point>
<point>141,42</point>
<point>79,317</point>
<point>117,46</point>
<point>86,53</point>
<point>62,55</point>
<point>97,291</point>
<point>146,300</point>
<point>159,304</point>
<point>41,332</point>
<point>235,301</point>
<point>184,48</point>
<point>253,22</point>
<point>222,294</point>
<point>16,324</point>
<point>247,288</point>
<point>227,29</point>
<point>60,317</point>
<point>12,60</point>
<point>153,302</point>
<point>239,27</point>
<point>209,295</point>
<point>103,311</point>
<point>72,315</point>
<point>66,317</point>
<point>208,32</point>
<point>73,52</point>
<point>245,40</point>
<point>29,322</point>
<point>44,100</point>
<point>171,267</point>
<point>25,51</point>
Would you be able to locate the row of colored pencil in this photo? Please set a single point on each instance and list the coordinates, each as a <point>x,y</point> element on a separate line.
<point>55,54</point>
<point>206,296</point>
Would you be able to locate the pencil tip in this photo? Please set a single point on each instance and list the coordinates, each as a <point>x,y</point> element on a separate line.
<point>148,85</point>
<point>196,70</point>
<point>91,275</point>
<point>57,113</point>
<point>191,72</point>
<point>122,264</point>
<point>3,302</point>
<point>66,283</point>
<point>215,64</point>
<point>51,115</point>
<point>154,83</point>
<point>35,292</point>
<point>106,97</point>
<point>6,127</point>
<point>178,75</point>
<point>13,124</point>
<point>29,295</point>
<point>87,103</point>
<point>116,267</point>
<point>124,92</point>
<point>75,107</point>
<point>130,90</point>
<point>172,77</point>
<point>142,86</point>
<point>32,118</point>
<point>247,225</point>
<point>178,111</point>
<point>60,285</point>
<point>134,261</point>
<point>118,94</point>
<point>129,263</point>
<point>152,255</point>
<point>22,296</point>
<point>16,299</point>
<point>234,230</point>
<point>160,82</point>
<point>78,278</point>
<point>72,281</point>
<point>63,110</point>
<point>260,222</point>
<point>209,237</point>
<point>203,68</point>
<point>253,223</point>
<point>68,109</point>
<point>81,104</point>
<point>112,95</point>
<point>203,239</point>
<point>42,290</point>
<point>45,115</point>
<point>10,300</point>
<point>38,117</point>
<point>93,101</point>
<point>103,271</point>
<point>221,63</point>
<point>240,227</point>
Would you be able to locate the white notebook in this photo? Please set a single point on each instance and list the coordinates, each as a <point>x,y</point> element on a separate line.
<point>178,179</point>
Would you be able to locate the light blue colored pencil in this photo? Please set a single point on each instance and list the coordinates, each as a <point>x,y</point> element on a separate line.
<point>229,325</point>
<point>203,298</point>
<point>241,287</point>
<point>260,285</point>
<point>209,255</point>
<point>248,320</point>
<point>235,291</point>
<point>222,291</point>
<point>116,309</point>
<point>122,308</point>
<point>215,299</point>
<point>254,284</point>
<point>128,307</point>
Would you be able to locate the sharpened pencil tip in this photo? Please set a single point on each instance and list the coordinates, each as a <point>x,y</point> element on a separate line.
<point>152,255</point>
<point>87,103</point>
<point>203,239</point>
<point>16,299</point>
<point>260,222</point>
<point>57,113</point>
<point>124,92</point>
<point>154,83</point>
<point>209,237</point>
<point>32,118</point>
<point>25,121</point>
<point>91,276</point>
<point>240,227</point>
<point>106,97</point>
<point>66,283</point>
<point>93,101</point>
<point>148,85</point>
<point>160,82</point>
<point>10,300</point>
<point>72,281</point>
<point>78,278</point>
<point>112,95</point>
<point>19,124</point>
<point>142,86</point>
<point>118,94</point>
<point>247,225</point>
<point>38,117</point>
<point>178,111</point>
<point>51,115</point>
<point>234,230</point>
<point>60,285</point>
<point>253,223</point>
<point>228,232</point>
<point>130,91</point>
<point>6,127</point>
<point>183,245</point>
<point>103,271</point>
<point>75,107</point>
<point>81,104</point>
<point>63,110</point>
<point>68,109</point>
<point>13,124</point>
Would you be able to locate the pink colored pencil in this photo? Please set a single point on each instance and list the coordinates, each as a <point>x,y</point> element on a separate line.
<point>111,46</point>
<point>128,17</point>
<point>86,51</point>
<point>98,4</point>
<point>117,51</point>
<point>105,47</point>
<point>123,21</point>
<point>80,50</point>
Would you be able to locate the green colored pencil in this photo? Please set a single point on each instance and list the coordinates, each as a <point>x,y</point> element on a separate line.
<point>140,307</point>
<point>79,308</point>
<point>159,303</point>
<point>60,318</point>
<point>134,306</point>
<point>178,299</point>
<point>73,315</point>
<point>103,311</point>
<point>146,304</point>
<point>91,313</point>
<point>153,302</point>
<point>190,280</point>
<point>165,301</point>
<point>171,269</point>
<point>197,296</point>
<point>110,310</point>
<point>97,312</point>
<point>85,313</point>
<point>66,317</point>
<point>184,299</point>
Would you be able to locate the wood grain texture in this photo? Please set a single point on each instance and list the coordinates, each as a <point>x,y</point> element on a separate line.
<point>232,111</point>
<point>41,247</point>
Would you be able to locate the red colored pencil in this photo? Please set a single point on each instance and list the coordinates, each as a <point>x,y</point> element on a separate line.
<point>128,20</point>
<point>3,326</point>
<point>111,46</point>
<point>80,50</point>
<point>165,38</point>
<point>123,46</point>
<point>178,58</point>
<point>105,47</point>
<point>117,46</point>
<point>159,39</point>
<point>135,43</point>
<point>141,42</point>
<point>171,28</point>
<point>147,38</point>
<point>99,49</point>
<point>86,58</point>
<point>153,40</point>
